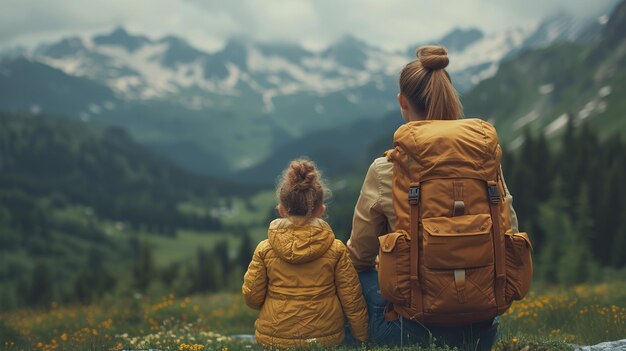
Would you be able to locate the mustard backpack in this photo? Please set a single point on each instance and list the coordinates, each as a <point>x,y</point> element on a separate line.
<point>453,259</point>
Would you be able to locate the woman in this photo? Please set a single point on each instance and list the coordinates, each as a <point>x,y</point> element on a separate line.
<point>426,93</point>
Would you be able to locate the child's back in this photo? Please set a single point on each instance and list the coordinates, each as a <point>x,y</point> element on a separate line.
<point>303,282</point>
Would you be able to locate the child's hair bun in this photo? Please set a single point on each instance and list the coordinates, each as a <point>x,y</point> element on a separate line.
<point>301,190</point>
<point>433,57</point>
<point>302,175</point>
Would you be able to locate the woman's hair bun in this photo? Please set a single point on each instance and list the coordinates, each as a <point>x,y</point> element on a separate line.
<point>433,57</point>
<point>302,175</point>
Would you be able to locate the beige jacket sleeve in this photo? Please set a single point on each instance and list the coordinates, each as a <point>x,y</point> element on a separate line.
<point>371,215</point>
<point>509,200</point>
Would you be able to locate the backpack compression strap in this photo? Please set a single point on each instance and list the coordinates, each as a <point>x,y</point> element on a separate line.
<point>414,218</point>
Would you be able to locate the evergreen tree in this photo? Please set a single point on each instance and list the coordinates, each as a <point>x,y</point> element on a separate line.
<point>245,250</point>
<point>585,226</point>
<point>95,280</point>
<point>542,169</point>
<point>169,274</point>
<point>554,223</point>
<point>618,250</point>
<point>206,277</point>
<point>40,291</point>
<point>143,268</point>
<point>576,263</point>
<point>221,252</point>
<point>524,182</point>
<point>612,207</point>
<point>568,165</point>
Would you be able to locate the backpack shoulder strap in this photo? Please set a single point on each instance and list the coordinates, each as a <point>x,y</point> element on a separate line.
<point>498,240</point>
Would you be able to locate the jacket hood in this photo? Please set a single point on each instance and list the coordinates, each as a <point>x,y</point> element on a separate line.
<point>299,239</point>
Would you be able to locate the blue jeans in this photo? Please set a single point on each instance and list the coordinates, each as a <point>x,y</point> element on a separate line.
<point>401,332</point>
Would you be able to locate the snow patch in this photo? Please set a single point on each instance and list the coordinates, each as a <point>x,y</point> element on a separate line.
<point>320,64</point>
<point>274,80</point>
<point>491,48</point>
<point>604,91</point>
<point>602,106</point>
<point>233,76</point>
<point>525,120</point>
<point>156,78</point>
<point>555,125</point>
<point>72,66</point>
<point>125,84</point>
<point>268,105</point>
<point>587,110</point>
<point>94,108</point>
<point>484,74</point>
<point>387,63</point>
<point>546,89</point>
<point>517,142</point>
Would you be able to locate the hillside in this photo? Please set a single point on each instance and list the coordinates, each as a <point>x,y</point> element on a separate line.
<point>336,151</point>
<point>539,89</point>
<point>103,168</point>
<point>70,192</point>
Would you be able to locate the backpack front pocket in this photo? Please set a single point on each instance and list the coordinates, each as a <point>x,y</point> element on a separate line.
<point>394,267</point>
<point>458,272</point>
<point>457,242</point>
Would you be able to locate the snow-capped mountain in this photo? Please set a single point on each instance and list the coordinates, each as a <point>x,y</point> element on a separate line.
<point>138,67</point>
<point>248,98</point>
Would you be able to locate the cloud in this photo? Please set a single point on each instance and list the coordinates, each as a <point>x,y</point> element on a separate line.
<point>393,24</point>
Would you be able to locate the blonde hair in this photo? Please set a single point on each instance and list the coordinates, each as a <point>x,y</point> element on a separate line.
<point>427,85</point>
<point>301,190</point>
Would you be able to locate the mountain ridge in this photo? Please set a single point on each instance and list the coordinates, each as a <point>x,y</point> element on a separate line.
<point>189,104</point>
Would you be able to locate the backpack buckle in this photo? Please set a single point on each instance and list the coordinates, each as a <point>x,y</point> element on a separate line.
<point>414,195</point>
<point>494,193</point>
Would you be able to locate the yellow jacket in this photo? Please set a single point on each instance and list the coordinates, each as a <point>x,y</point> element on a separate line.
<point>304,284</point>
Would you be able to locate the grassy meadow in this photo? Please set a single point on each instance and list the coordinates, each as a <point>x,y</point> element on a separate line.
<point>553,318</point>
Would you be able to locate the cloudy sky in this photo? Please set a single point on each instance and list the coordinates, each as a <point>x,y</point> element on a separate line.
<point>392,24</point>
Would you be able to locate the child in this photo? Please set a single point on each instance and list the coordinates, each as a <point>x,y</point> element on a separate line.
<point>300,277</point>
